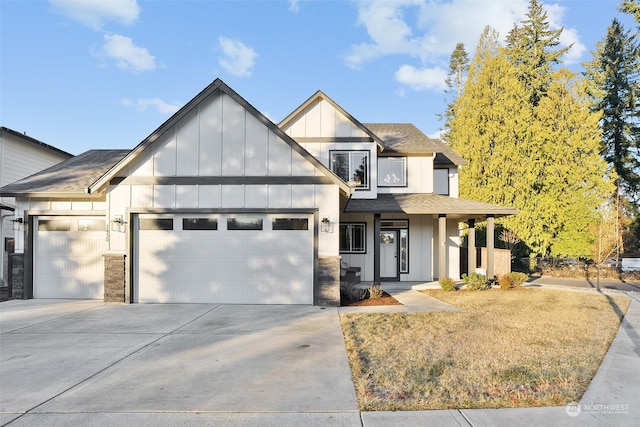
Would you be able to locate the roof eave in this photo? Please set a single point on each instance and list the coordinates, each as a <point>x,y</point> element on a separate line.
<point>54,195</point>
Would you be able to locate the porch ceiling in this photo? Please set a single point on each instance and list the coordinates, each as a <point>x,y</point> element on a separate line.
<point>427,204</point>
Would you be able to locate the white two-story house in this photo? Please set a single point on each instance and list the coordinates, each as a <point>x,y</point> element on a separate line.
<point>20,156</point>
<point>219,204</point>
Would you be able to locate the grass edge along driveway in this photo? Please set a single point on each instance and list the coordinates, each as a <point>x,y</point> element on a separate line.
<point>515,348</point>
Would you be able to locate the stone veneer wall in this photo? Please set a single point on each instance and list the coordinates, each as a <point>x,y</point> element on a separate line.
<point>16,276</point>
<point>326,291</point>
<point>114,278</point>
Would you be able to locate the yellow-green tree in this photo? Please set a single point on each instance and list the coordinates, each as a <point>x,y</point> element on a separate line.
<point>572,180</point>
<point>542,159</point>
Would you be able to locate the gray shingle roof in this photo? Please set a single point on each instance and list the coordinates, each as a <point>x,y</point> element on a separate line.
<point>426,204</point>
<point>405,138</point>
<point>69,178</point>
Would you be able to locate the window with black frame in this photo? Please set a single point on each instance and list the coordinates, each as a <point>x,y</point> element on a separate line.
<point>353,238</point>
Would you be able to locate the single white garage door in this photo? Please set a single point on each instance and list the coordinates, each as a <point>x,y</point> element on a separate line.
<point>68,257</point>
<point>226,258</point>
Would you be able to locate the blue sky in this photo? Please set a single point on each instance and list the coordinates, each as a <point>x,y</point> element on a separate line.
<point>85,74</point>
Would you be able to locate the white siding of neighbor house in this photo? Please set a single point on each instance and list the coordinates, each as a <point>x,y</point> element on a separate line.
<point>18,159</point>
<point>220,138</point>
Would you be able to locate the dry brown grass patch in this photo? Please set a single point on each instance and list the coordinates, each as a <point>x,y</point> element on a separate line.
<point>507,349</point>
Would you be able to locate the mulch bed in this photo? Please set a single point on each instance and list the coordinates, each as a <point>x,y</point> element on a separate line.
<point>385,299</point>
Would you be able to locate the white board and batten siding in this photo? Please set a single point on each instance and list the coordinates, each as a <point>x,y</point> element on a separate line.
<point>323,121</point>
<point>219,138</point>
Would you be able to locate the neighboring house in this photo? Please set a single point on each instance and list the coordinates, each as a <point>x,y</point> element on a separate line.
<point>219,204</point>
<point>20,156</point>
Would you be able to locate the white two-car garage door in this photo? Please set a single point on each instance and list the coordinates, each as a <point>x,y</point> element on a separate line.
<point>68,257</point>
<point>224,258</point>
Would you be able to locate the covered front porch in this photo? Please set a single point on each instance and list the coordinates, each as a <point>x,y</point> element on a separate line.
<point>438,237</point>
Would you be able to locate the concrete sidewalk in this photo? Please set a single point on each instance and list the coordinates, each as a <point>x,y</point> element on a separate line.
<point>75,363</point>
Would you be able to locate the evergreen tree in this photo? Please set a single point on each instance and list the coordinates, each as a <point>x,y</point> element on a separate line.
<point>458,67</point>
<point>532,48</point>
<point>569,189</point>
<point>543,161</point>
<point>614,88</point>
<point>631,7</point>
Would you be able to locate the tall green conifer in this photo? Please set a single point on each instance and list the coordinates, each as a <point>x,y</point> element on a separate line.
<point>614,75</point>
<point>532,49</point>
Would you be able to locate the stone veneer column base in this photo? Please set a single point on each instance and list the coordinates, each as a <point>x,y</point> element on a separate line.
<point>16,276</point>
<point>326,292</point>
<point>114,278</point>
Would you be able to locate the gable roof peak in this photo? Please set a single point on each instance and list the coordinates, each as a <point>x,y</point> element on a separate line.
<point>320,95</point>
<point>216,86</point>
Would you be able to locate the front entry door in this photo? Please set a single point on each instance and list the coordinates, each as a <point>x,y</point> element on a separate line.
<point>389,254</point>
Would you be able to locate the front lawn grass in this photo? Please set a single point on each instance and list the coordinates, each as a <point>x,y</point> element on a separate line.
<point>527,347</point>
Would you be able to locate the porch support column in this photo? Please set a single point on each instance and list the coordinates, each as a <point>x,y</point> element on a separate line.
<point>376,249</point>
<point>442,246</point>
<point>471,247</point>
<point>490,245</point>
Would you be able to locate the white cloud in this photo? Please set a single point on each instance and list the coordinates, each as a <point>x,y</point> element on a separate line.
<point>94,13</point>
<point>429,31</point>
<point>388,31</point>
<point>294,6</point>
<point>422,79</point>
<point>143,104</point>
<point>238,58</point>
<point>128,56</point>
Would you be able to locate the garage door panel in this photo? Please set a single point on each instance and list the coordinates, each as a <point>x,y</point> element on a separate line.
<point>225,266</point>
<point>68,258</point>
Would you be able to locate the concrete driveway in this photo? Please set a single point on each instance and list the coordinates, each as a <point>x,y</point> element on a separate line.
<point>79,362</point>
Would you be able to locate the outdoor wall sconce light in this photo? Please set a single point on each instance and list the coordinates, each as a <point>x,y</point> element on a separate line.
<point>118,224</point>
<point>17,223</point>
<point>325,225</point>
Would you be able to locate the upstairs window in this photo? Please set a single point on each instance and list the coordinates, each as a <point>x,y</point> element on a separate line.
<point>352,167</point>
<point>392,172</point>
<point>441,181</point>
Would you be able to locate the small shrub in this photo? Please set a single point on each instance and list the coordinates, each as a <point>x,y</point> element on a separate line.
<point>476,281</point>
<point>517,278</point>
<point>505,282</point>
<point>375,291</point>
<point>447,284</point>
